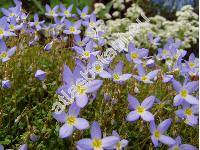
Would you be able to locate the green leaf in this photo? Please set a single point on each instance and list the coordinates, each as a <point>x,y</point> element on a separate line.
<point>5,142</point>
<point>54,2</point>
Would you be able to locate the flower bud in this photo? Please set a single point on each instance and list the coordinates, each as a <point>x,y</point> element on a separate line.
<point>40,75</point>
<point>6,84</point>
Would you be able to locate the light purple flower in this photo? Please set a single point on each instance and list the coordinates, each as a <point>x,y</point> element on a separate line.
<point>146,78</point>
<point>84,13</point>
<point>37,24</point>
<point>107,97</point>
<point>40,75</point>
<point>91,22</point>
<point>12,12</point>
<point>184,92</point>
<point>34,137</point>
<point>6,84</point>
<point>153,41</point>
<point>192,66</point>
<point>150,63</point>
<point>13,26</point>
<point>51,12</point>
<point>188,113</point>
<point>1,147</point>
<point>171,50</point>
<point>71,121</point>
<point>98,68</point>
<point>140,110</point>
<point>179,146</point>
<point>135,54</point>
<point>23,147</point>
<point>193,62</point>
<point>96,141</point>
<point>48,46</point>
<point>80,42</point>
<point>87,52</point>
<point>66,12</point>
<point>167,78</point>
<point>121,144</point>
<point>4,28</point>
<point>5,53</point>
<point>157,133</point>
<point>79,89</point>
<point>17,2</point>
<point>117,75</point>
<point>72,28</point>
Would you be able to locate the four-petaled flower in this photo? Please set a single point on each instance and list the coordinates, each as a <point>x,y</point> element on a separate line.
<point>4,28</point>
<point>153,41</point>
<point>135,54</point>
<point>84,13</point>
<point>51,12</point>
<point>179,146</point>
<point>146,78</point>
<point>91,22</point>
<point>89,50</point>
<point>184,92</point>
<point>72,28</point>
<point>66,12</point>
<point>117,75</point>
<point>37,24</point>
<point>71,121</point>
<point>188,113</point>
<point>121,144</point>
<point>158,133</point>
<point>97,142</point>
<point>140,110</point>
<point>79,90</point>
<point>5,53</point>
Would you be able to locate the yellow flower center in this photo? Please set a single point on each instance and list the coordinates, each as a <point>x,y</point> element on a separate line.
<point>192,65</point>
<point>87,54</point>
<point>80,43</point>
<point>116,76</point>
<point>144,78</point>
<point>98,68</point>
<point>66,13</point>
<point>37,23</point>
<point>72,29</point>
<point>157,134</point>
<point>97,143</point>
<point>118,146</point>
<point>140,110</point>
<point>1,31</point>
<point>176,148</point>
<point>71,120</point>
<point>134,55</point>
<point>186,121</point>
<point>52,12</point>
<point>165,52</point>
<point>81,89</point>
<point>12,27</point>
<point>176,56</point>
<point>12,14</point>
<point>184,93</point>
<point>92,24</point>
<point>4,55</point>
<point>83,15</point>
<point>188,112</point>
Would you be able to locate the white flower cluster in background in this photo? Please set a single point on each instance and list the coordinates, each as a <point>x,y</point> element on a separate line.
<point>184,28</point>
<point>134,12</point>
<point>98,7</point>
